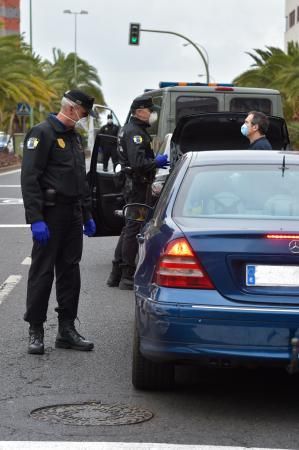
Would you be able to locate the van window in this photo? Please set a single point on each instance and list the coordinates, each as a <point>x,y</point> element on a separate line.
<point>188,105</point>
<point>245,104</point>
<point>153,129</point>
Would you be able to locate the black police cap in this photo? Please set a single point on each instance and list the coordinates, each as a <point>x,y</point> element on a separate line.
<point>143,102</point>
<point>82,99</point>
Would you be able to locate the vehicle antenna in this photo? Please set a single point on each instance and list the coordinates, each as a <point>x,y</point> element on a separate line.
<point>283,167</point>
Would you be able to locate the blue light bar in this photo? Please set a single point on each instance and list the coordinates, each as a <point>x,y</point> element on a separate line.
<point>164,84</point>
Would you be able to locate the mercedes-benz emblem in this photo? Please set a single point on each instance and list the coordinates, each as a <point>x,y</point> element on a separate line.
<point>294,246</point>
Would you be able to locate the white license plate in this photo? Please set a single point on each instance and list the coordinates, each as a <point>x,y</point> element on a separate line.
<point>264,275</point>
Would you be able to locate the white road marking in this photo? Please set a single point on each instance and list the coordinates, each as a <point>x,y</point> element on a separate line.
<point>10,185</point>
<point>10,172</point>
<point>11,201</point>
<point>20,225</point>
<point>10,445</point>
<point>27,261</point>
<point>8,286</point>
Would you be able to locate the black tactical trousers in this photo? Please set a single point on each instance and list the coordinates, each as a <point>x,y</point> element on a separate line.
<point>109,152</point>
<point>127,247</point>
<point>61,254</point>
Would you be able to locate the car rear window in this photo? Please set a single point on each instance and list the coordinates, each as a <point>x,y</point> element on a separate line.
<point>240,191</point>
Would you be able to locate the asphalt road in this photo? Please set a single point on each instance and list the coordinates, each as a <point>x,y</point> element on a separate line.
<point>229,408</point>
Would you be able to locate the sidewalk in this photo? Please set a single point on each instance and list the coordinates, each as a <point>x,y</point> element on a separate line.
<point>10,167</point>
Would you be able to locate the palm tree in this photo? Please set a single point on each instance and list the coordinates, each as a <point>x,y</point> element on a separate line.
<point>21,79</point>
<point>273,68</point>
<point>61,74</point>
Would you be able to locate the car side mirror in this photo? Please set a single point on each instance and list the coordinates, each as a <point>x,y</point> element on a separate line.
<point>138,212</point>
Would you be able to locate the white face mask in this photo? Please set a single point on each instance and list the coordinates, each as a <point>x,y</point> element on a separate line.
<point>83,124</point>
<point>153,117</point>
<point>80,123</point>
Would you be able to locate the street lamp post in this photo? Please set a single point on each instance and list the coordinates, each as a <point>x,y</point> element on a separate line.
<point>75,13</point>
<point>199,51</point>
<point>30,24</point>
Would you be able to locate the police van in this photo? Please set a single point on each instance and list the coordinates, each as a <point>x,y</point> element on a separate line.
<point>202,117</point>
<point>177,99</point>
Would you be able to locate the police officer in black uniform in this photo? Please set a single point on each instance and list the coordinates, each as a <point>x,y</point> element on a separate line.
<point>139,165</point>
<point>109,142</point>
<point>57,205</point>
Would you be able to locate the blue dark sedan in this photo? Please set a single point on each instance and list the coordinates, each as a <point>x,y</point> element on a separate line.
<point>217,281</point>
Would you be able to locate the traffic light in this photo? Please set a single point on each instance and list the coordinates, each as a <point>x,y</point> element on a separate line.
<point>134,33</point>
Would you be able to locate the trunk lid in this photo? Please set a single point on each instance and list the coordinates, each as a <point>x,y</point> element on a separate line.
<point>221,131</point>
<point>229,252</point>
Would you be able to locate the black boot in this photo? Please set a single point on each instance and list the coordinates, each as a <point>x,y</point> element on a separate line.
<point>68,337</point>
<point>36,339</point>
<point>127,279</point>
<point>115,276</point>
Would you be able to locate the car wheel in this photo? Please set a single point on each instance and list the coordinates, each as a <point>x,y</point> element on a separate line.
<point>147,374</point>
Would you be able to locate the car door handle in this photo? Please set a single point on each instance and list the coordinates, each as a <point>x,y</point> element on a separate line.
<point>140,238</point>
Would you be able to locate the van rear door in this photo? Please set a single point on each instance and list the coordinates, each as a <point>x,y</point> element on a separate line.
<point>194,102</point>
<point>245,102</point>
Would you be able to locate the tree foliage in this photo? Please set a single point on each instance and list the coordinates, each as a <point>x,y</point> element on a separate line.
<point>26,78</point>
<point>275,69</point>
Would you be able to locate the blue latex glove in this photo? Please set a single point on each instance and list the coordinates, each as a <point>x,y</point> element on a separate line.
<point>40,232</point>
<point>89,228</point>
<point>161,161</point>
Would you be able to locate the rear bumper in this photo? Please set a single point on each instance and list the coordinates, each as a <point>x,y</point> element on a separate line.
<point>202,332</point>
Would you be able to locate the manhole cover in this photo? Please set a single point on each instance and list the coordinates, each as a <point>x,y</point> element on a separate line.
<point>92,413</point>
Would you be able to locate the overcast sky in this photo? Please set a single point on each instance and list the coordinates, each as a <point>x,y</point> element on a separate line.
<point>226,29</point>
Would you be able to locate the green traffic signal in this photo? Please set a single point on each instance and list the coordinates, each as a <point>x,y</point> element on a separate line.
<point>134,33</point>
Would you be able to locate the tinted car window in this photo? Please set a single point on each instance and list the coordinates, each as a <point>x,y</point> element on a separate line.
<point>251,192</point>
<point>188,105</point>
<point>239,104</point>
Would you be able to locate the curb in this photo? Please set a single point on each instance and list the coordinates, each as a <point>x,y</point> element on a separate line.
<point>9,168</point>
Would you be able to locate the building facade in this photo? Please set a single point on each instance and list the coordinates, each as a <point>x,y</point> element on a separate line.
<point>9,17</point>
<point>292,22</point>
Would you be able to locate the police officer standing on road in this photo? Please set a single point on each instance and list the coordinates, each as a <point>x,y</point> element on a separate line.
<point>57,204</point>
<point>139,165</point>
<point>109,142</point>
<point>255,128</point>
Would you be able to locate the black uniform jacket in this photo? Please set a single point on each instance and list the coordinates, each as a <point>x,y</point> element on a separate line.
<point>53,157</point>
<point>109,130</point>
<point>135,150</point>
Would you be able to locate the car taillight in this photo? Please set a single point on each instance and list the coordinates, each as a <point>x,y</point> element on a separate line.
<point>282,236</point>
<point>179,267</point>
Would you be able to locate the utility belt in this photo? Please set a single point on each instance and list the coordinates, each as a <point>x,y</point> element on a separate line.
<point>137,178</point>
<point>52,198</point>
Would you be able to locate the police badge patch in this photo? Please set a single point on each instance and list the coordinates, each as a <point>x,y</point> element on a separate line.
<point>137,139</point>
<point>61,143</point>
<point>32,143</point>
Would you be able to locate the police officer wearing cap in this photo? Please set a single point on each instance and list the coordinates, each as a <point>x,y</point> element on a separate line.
<point>57,206</point>
<point>139,165</point>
